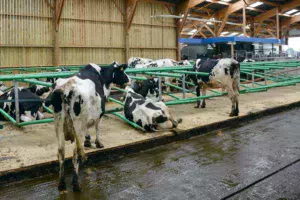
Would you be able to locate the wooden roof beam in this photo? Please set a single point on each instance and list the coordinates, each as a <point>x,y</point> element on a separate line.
<point>130,10</point>
<point>193,3</point>
<point>58,12</point>
<point>290,21</point>
<point>184,9</point>
<point>282,9</point>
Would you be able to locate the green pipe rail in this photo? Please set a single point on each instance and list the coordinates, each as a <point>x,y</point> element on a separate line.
<point>129,122</point>
<point>137,74</point>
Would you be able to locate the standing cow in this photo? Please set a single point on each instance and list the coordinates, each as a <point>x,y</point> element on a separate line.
<point>79,103</point>
<point>146,113</point>
<point>224,73</point>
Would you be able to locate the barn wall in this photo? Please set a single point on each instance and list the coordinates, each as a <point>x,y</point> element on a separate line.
<point>90,31</point>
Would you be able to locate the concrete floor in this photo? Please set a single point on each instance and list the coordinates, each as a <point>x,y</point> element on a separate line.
<point>30,145</point>
<point>204,167</point>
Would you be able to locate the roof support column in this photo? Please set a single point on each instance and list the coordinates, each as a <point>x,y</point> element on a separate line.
<point>244,20</point>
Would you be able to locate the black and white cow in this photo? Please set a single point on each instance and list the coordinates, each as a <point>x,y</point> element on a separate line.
<point>150,115</point>
<point>39,90</point>
<point>248,60</point>
<point>28,111</point>
<point>164,63</point>
<point>148,88</point>
<point>79,103</point>
<point>133,61</point>
<point>224,73</point>
<point>2,86</point>
<point>52,80</point>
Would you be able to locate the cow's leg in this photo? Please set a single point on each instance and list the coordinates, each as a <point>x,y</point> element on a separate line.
<point>75,182</point>
<point>97,141</point>
<point>25,118</point>
<point>61,152</point>
<point>168,88</point>
<point>236,95</point>
<point>198,95</point>
<point>87,141</point>
<point>203,105</point>
<point>232,98</point>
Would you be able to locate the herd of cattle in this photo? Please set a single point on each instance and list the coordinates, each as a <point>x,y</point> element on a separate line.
<point>79,101</point>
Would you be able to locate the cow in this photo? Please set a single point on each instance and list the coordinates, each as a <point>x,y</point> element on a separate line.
<point>148,88</point>
<point>28,111</point>
<point>133,61</point>
<point>39,89</point>
<point>2,86</point>
<point>150,115</point>
<point>248,60</point>
<point>164,63</point>
<point>224,73</point>
<point>79,103</point>
<point>52,80</point>
<point>167,62</point>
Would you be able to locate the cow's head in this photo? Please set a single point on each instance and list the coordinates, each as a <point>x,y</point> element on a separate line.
<point>119,76</point>
<point>2,86</point>
<point>148,88</point>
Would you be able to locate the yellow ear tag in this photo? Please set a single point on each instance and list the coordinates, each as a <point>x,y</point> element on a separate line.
<point>122,69</point>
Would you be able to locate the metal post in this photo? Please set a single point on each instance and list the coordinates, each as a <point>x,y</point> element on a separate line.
<point>17,101</point>
<point>183,86</point>
<point>253,78</point>
<point>159,88</point>
<point>265,72</point>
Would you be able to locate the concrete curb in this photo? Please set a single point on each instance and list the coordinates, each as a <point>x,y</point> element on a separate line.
<point>113,153</point>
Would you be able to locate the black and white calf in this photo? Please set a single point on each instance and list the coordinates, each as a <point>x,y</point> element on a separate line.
<point>150,115</point>
<point>133,61</point>
<point>224,73</point>
<point>79,103</point>
<point>148,88</point>
<point>28,111</point>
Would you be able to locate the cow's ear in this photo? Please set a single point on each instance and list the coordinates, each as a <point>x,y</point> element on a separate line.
<point>122,67</point>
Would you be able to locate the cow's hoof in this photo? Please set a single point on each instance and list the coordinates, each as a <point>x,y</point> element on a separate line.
<point>196,106</point>
<point>76,188</point>
<point>62,186</point>
<point>203,106</point>
<point>179,120</point>
<point>98,144</point>
<point>87,143</point>
<point>232,114</point>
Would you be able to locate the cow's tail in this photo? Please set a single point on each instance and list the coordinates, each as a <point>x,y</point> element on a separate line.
<point>57,100</point>
<point>234,69</point>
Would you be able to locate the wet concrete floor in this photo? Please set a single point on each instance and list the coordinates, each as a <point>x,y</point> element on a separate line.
<point>205,167</point>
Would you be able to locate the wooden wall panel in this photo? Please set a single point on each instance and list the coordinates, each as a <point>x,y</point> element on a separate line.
<point>90,31</point>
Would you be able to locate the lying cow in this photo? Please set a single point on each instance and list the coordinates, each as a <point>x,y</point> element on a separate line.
<point>148,89</point>
<point>28,111</point>
<point>164,63</point>
<point>79,103</point>
<point>52,80</point>
<point>39,89</point>
<point>2,86</point>
<point>152,116</point>
<point>224,73</point>
<point>133,61</point>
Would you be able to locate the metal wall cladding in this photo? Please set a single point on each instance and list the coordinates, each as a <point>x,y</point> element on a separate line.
<point>90,31</point>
